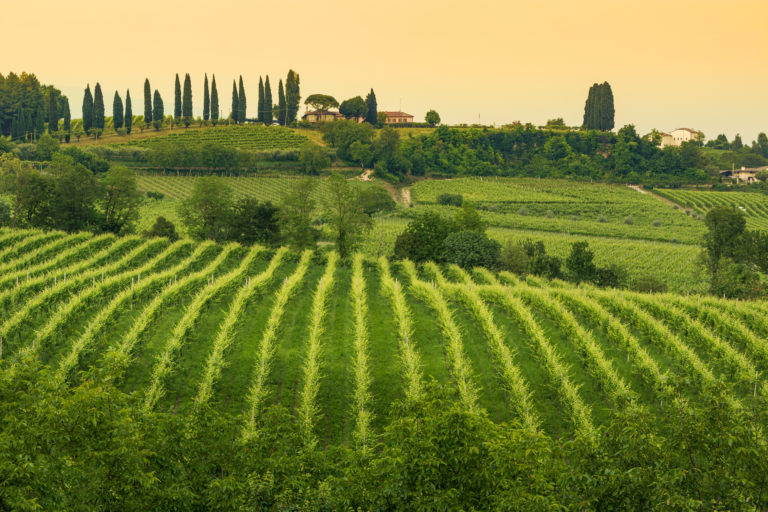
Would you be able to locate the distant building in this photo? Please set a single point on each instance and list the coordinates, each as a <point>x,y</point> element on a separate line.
<point>745,174</point>
<point>321,116</point>
<point>398,117</point>
<point>667,140</point>
<point>683,135</point>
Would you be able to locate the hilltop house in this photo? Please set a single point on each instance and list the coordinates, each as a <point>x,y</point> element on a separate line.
<point>683,135</point>
<point>321,116</point>
<point>398,117</point>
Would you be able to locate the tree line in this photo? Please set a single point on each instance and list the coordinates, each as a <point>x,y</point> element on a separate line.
<point>28,108</point>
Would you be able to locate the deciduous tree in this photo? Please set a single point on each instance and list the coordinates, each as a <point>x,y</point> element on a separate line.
<point>321,102</point>
<point>207,211</point>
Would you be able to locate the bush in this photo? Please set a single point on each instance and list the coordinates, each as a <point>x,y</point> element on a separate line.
<point>735,280</point>
<point>602,219</point>
<point>376,200</point>
<point>550,214</point>
<point>522,211</point>
<point>649,284</point>
<point>513,258</point>
<point>469,249</point>
<point>580,264</point>
<point>612,276</point>
<point>155,195</point>
<point>162,228</point>
<point>657,223</point>
<point>450,199</point>
<point>423,238</point>
<point>629,220</point>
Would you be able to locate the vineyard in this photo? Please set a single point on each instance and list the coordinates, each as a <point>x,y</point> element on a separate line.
<point>187,324</point>
<point>253,138</point>
<point>753,205</point>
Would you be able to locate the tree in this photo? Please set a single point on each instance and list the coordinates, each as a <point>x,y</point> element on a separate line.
<point>599,110</point>
<point>87,109</point>
<point>120,200</point>
<point>292,97</point>
<point>361,152</point>
<point>322,102</point>
<point>67,125</point>
<point>468,219</point>
<point>73,193</point>
<point>186,108</point>
<point>162,228</point>
<point>469,249</point>
<point>128,112</point>
<point>723,239</point>
<point>376,200</point>
<point>158,112</point>
<point>117,112</point>
<point>580,263</point>
<point>737,144</point>
<point>372,114</point>
<point>207,211</point>
<point>46,147</point>
<point>177,100</point>
<point>254,222</point>
<point>147,103</point>
<point>353,108</point>
<point>423,238</point>
<point>98,108</point>
<point>296,212</point>
<point>241,103</point>
<point>267,102</point>
<point>53,112</point>
<point>260,107</point>
<point>206,100</point>
<point>314,158</point>
<point>281,106</point>
<point>214,102</point>
<point>235,98</point>
<point>432,117</point>
<point>344,212</point>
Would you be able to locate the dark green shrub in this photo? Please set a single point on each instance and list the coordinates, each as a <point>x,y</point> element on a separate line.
<point>469,249</point>
<point>450,199</point>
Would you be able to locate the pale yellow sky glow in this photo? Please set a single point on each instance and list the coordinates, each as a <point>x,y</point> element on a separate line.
<point>701,64</point>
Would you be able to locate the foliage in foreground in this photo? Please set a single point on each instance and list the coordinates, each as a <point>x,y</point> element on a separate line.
<point>92,447</point>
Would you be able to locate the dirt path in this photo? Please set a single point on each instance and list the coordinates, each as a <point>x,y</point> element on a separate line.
<point>405,193</point>
<point>660,198</point>
<point>366,176</point>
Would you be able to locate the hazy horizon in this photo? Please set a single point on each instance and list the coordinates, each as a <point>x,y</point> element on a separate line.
<point>683,64</point>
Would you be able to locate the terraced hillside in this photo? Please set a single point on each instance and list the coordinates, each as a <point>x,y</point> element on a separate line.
<point>335,343</point>
<point>753,205</point>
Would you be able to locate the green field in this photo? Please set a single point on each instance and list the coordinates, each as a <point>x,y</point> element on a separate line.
<point>753,205</point>
<point>242,328</point>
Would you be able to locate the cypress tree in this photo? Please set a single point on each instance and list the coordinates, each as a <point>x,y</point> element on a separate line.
<point>588,106</point>
<point>98,108</point>
<point>292,97</point>
<point>187,103</point>
<point>87,109</point>
<point>607,110</point>
<point>260,107</point>
<point>147,104</point>
<point>117,112</point>
<point>177,100</point>
<point>267,102</point>
<point>128,112</point>
<point>280,104</point>
<point>158,111</point>
<point>235,109</point>
<point>39,122</point>
<point>214,102</point>
<point>206,100</point>
<point>67,118</point>
<point>53,113</point>
<point>241,102</point>
<point>371,116</point>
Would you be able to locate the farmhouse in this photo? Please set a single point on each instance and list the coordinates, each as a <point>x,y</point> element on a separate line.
<point>398,117</point>
<point>322,116</point>
<point>745,174</point>
<point>683,135</point>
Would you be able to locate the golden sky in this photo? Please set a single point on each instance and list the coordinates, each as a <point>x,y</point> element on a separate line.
<point>675,63</point>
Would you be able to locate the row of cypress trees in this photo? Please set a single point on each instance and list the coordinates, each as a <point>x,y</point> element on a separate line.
<point>599,111</point>
<point>287,108</point>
